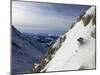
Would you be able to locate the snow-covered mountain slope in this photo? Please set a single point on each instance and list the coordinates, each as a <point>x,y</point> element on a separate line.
<point>78,50</point>
<point>25,52</point>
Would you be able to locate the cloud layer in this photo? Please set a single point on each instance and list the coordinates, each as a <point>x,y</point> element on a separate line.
<point>42,17</point>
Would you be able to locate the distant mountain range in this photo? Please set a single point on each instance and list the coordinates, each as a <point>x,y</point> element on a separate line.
<point>25,52</point>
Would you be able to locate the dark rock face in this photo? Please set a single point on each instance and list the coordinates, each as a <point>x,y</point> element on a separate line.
<point>80,17</point>
<point>93,34</point>
<point>63,39</point>
<point>86,20</point>
<point>25,52</point>
<point>94,19</point>
<point>72,25</point>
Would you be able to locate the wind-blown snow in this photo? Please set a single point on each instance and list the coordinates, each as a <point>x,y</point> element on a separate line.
<point>72,55</point>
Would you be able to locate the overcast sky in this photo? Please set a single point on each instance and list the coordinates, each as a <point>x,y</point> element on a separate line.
<point>51,18</point>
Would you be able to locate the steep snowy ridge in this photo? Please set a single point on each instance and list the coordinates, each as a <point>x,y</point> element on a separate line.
<point>78,49</point>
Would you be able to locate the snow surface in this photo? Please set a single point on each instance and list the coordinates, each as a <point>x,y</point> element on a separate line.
<point>72,55</point>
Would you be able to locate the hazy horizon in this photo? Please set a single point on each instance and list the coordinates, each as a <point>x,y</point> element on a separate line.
<point>34,17</point>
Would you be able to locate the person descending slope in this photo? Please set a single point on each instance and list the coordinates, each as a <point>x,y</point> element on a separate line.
<point>80,40</point>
